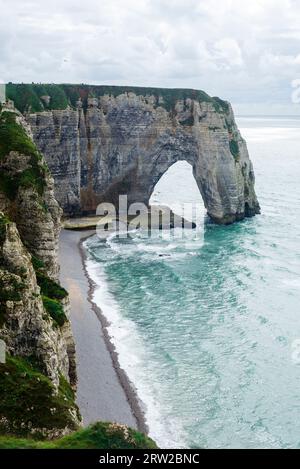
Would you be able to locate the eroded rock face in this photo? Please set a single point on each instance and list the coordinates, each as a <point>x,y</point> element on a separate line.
<point>26,327</point>
<point>123,145</point>
<point>37,215</point>
<point>29,229</point>
<point>40,368</point>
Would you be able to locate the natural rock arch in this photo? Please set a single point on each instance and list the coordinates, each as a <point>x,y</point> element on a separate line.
<point>123,145</point>
<point>178,187</point>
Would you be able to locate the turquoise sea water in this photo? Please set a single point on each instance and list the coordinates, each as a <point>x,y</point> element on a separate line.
<point>206,326</point>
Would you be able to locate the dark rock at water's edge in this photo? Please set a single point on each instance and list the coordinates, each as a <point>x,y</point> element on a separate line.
<point>102,141</point>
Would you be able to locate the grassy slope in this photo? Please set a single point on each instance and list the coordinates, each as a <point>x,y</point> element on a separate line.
<point>101,435</point>
<point>28,399</point>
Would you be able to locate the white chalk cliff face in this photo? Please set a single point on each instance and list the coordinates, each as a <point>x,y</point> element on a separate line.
<point>31,232</point>
<point>40,364</point>
<point>123,143</point>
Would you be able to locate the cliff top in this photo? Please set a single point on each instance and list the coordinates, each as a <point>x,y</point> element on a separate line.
<point>39,97</point>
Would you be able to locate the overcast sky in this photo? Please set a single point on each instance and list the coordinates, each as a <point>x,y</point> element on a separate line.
<point>245,51</point>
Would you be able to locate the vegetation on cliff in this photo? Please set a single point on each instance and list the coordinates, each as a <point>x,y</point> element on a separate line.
<point>52,293</point>
<point>13,138</point>
<point>101,435</point>
<point>55,310</point>
<point>30,97</point>
<point>48,286</point>
<point>31,409</point>
<point>29,404</point>
<point>234,148</point>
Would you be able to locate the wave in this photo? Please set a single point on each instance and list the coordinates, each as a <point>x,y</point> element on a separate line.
<point>132,357</point>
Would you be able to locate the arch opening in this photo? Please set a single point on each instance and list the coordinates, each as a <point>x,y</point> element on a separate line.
<point>178,189</point>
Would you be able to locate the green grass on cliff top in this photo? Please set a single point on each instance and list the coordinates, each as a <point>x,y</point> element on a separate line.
<point>27,97</point>
<point>14,138</point>
<point>101,435</point>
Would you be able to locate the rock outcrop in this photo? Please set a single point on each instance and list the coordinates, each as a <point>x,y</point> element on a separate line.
<point>112,141</point>
<point>33,306</point>
<point>26,327</point>
<point>27,195</point>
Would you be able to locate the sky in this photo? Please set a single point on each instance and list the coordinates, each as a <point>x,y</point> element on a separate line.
<point>247,52</point>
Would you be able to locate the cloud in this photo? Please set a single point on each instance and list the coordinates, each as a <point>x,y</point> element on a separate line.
<point>280,61</point>
<point>238,50</point>
<point>229,52</point>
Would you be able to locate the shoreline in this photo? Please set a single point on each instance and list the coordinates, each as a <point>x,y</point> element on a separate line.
<point>127,385</point>
<point>119,402</point>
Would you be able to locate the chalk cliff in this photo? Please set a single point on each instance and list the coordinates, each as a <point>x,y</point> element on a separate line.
<point>106,141</point>
<point>38,375</point>
<point>33,307</point>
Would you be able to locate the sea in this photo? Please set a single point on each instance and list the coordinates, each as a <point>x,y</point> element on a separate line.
<point>207,323</point>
